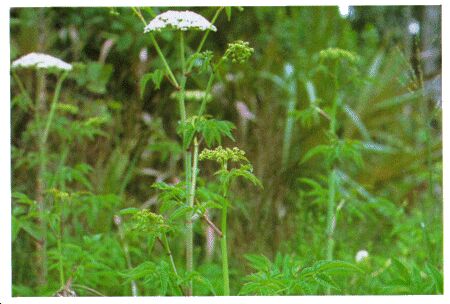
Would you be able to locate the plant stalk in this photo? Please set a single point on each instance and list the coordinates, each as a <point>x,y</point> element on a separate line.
<point>59,245</point>
<point>202,42</point>
<point>53,106</point>
<point>40,183</point>
<point>223,241</point>
<point>331,220</point>
<point>118,222</point>
<point>163,59</point>
<point>207,92</point>
<point>22,87</point>
<point>165,243</point>
<point>223,245</point>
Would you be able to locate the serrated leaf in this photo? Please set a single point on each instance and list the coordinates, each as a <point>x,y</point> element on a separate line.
<point>328,266</point>
<point>244,171</point>
<point>22,198</point>
<point>259,262</point>
<point>326,281</point>
<point>213,130</point>
<point>317,150</point>
<point>180,211</point>
<point>143,83</point>
<point>437,278</point>
<point>156,77</point>
<point>31,229</point>
<point>15,228</point>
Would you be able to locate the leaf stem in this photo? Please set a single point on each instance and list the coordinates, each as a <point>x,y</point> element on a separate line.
<point>211,224</point>
<point>202,42</point>
<point>22,87</point>
<point>207,92</point>
<point>163,59</point>
<point>165,243</point>
<point>118,222</point>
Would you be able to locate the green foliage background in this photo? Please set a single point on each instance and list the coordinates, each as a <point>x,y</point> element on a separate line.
<point>115,135</point>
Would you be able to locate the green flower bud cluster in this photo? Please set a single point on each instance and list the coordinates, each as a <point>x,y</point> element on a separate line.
<point>206,57</point>
<point>222,155</point>
<point>238,52</point>
<point>58,194</point>
<point>337,53</point>
<point>150,223</point>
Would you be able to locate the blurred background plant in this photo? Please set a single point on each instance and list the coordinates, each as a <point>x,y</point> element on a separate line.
<point>110,140</point>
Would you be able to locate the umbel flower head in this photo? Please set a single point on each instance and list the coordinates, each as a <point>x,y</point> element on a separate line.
<point>41,61</point>
<point>177,20</point>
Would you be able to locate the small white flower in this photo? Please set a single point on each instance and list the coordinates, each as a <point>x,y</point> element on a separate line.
<point>344,10</point>
<point>41,61</point>
<point>414,28</point>
<point>288,70</point>
<point>361,255</point>
<point>183,21</point>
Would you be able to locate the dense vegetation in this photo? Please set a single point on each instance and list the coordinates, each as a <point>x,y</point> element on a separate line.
<point>293,151</point>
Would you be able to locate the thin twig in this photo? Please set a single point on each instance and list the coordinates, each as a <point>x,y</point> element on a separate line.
<point>89,289</point>
<point>211,224</point>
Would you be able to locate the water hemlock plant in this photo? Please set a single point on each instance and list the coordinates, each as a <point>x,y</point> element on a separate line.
<point>195,128</point>
<point>43,64</point>
<point>226,175</point>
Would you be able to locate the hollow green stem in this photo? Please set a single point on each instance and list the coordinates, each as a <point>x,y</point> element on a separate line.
<point>223,245</point>
<point>202,42</point>
<point>169,253</point>
<point>194,174</point>
<point>158,49</point>
<point>118,222</point>
<point>60,262</point>
<point>59,245</point>
<point>165,243</point>
<point>53,106</point>
<point>163,59</point>
<point>40,185</point>
<point>207,92</point>
<point>138,13</point>
<point>331,213</point>
<point>223,240</point>
<point>183,80</point>
<point>189,224</point>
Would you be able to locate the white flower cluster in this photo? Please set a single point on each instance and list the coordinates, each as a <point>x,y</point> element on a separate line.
<point>183,21</point>
<point>361,256</point>
<point>414,27</point>
<point>41,61</point>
